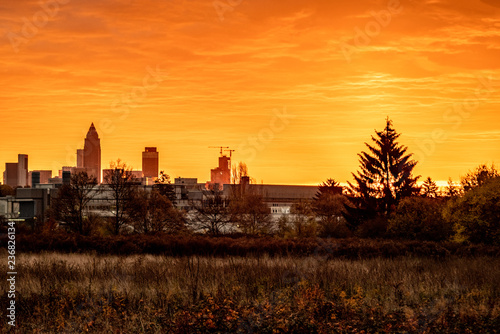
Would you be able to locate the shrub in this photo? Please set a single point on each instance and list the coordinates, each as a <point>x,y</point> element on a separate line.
<point>476,215</point>
<point>180,246</point>
<point>419,218</point>
<point>375,227</point>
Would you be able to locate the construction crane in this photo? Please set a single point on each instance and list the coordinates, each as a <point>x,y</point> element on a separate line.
<point>220,147</point>
<point>230,153</point>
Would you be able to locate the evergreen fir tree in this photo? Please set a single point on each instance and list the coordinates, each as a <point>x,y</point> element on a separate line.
<point>328,187</point>
<point>452,190</point>
<point>430,188</point>
<point>384,178</point>
<point>328,205</point>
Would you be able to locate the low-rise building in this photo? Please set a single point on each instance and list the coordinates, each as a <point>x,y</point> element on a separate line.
<point>279,198</point>
<point>32,202</point>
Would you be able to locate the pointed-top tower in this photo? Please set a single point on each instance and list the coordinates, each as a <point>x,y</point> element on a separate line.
<point>92,153</point>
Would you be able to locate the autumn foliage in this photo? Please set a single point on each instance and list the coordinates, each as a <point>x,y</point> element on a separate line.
<point>239,245</point>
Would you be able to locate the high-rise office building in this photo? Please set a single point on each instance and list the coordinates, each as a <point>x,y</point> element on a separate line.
<point>16,173</point>
<point>22,170</point>
<point>79,158</point>
<point>150,162</point>
<point>10,174</point>
<point>92,153</point>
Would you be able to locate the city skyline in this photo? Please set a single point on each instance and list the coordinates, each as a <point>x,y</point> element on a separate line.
<point>295,88</point>
<point>92,135</point>
<point>88,159</point>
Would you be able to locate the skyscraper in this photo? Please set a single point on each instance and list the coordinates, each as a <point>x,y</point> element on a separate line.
<point>22,170</point>
<point>92,153</point>
<point>79,158</point>
<point>10,174</point>
<point>16,174</point>
<point>150,162</point>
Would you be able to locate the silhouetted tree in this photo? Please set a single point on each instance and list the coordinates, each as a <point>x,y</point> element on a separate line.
<point>246,207</point>
<point>330,186</point>
<point>165,187</point>
<point>6,190</point>
<point>451,189</point>
<point>384,178</point>
<point>155,213</point>
<point>328,205</point>
<point>238,172</point>
<point>212,213</point>
<point>429,188</point>
<point>418,218</point>
<point>284,227</point>
<point>476,215</point>
<point>251,213</point>
<point>239,187</point>
<point>123,187</point>
<point>303,220</point>
<point>71,202</point>
<point>479,176</point>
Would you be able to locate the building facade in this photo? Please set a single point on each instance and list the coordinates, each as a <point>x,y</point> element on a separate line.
<point>42,176</point>
<point>92,153</point>
<point>222,174</point>
<point>79,158</point>
<point>150,162</point>
<point>16,173</point>
<point>22,170</point>
<point>10,174</point>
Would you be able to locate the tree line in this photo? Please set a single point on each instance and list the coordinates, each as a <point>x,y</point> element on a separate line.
<point>383,201</point>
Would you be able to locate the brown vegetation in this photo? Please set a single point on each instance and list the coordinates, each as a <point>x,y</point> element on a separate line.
<point>70,293</point>
<point>233,245</point>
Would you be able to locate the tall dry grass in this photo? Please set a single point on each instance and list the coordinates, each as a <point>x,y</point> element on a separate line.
<point>80,292</point>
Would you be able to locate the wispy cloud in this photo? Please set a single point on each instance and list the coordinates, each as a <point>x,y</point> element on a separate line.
<point>225,78</point>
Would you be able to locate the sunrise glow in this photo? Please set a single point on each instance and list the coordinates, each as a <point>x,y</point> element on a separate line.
<point>295,87</point>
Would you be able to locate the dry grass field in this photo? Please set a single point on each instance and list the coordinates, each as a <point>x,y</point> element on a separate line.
<point>73,293</point>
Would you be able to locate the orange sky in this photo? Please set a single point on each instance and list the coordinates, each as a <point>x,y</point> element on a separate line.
<point>224,72</point>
